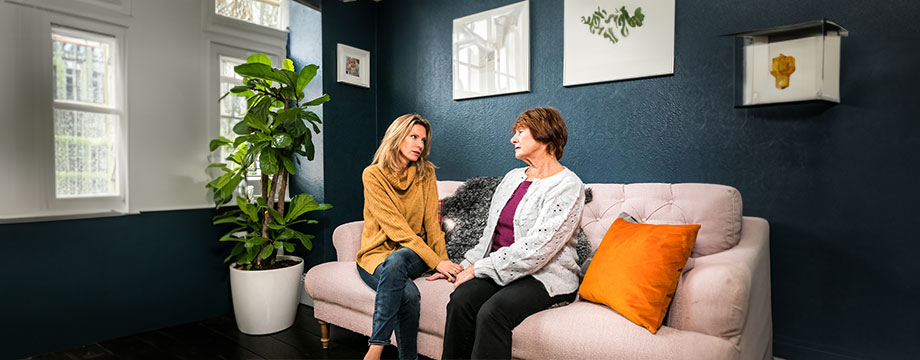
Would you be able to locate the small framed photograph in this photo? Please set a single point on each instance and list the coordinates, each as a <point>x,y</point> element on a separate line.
<point>354,66</point>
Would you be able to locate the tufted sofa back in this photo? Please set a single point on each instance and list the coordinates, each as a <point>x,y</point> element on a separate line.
<point>716,207</point>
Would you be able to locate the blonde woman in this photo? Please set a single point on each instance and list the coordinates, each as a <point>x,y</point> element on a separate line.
<point>402,237</point>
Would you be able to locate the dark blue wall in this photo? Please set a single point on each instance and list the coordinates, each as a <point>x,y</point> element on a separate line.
<point>833,180</point>
<point>351,115</point>
<point>305,47</point>
<point>76,282</point>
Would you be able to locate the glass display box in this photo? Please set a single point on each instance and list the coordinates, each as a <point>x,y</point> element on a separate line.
<point>790,63</point>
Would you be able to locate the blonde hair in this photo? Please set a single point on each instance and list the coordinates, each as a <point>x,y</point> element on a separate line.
<point>387,154</point>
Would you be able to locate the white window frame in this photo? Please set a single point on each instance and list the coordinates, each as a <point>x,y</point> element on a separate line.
<point>249,33</point>
<point>284,13</point>
<point>101,204</point>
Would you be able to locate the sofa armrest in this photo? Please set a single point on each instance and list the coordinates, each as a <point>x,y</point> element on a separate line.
<point>347,240</point>
<point>717,295</point>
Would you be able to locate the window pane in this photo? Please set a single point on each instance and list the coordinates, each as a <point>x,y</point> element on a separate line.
<point>81,69</point>
<point>85,154</point>
<point>262,12</point>
<point>232,108</point>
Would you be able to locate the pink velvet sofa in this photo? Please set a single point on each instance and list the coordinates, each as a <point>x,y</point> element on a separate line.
<point>721,309</point>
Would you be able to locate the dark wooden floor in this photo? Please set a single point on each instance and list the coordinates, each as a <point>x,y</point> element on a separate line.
<point>219,338</point>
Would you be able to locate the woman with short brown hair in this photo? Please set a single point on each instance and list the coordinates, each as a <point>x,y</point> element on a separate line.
<point>525,260</point>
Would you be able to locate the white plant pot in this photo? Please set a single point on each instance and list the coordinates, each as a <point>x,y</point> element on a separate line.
<point>265,301</point>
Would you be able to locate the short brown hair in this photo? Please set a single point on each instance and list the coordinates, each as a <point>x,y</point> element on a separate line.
<point>546,126</point>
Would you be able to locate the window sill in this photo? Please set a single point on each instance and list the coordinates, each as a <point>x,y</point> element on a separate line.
<point>59,215</point>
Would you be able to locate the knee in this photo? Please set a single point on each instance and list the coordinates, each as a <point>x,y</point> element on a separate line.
<point>397,262</point>
<point>411,296</point>
<point>458,299</point>
<point>490,313</point>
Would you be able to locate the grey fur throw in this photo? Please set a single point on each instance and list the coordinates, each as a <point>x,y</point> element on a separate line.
<point>464,215</point>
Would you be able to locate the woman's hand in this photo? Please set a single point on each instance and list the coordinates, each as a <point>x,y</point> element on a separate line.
<point>464,276</point>
<point>446,270</point>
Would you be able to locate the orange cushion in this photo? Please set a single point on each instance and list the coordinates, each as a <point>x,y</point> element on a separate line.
<point>636,269</point>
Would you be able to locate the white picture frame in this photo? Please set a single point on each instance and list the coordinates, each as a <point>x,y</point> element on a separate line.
<point>353,66</point>
<point>491,52</point>
<point>596,49</point>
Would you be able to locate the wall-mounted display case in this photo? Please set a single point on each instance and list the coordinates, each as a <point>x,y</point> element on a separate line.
<point>798,62</point>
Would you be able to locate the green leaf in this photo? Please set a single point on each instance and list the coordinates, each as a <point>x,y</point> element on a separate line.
<point>308,221</point>
<point>289,247</point>
<point>286,234</point>
<point>233,214</point>
<point>257,240</point>
<point>282,141</point>
<point>276,215</point>
<point>258,122</point>
<point>260,71</point>
<point>238,249</point>
<point>247,208</point>
<point>286,114</point>
<point>306,75</point>
<point>216,143</point>
<point>295,127</point>
<point>227,220</point>
<point>306,242</point>
<point>290,79</point>
<point>288,165</point>
<point>310,151</point>
<point>287,64</point>
<point>267,252</point>
<point>229,237</point>
<point>268,161</point>
<point>241,128</point>
<point>301,204</point>
<point>259,59</point>
<point>239,89</point>
<point>318,100</point>
<point>226,192</point>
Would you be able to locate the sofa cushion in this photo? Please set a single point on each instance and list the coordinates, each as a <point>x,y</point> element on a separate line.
<point>636,269</point>
<point>338,282</point>
<point>584,330</point>
<point>716,207</point>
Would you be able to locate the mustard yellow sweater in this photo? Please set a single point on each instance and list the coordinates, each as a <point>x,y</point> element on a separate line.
<point>400,210</point>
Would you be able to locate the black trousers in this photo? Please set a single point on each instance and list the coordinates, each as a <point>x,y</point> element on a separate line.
<point>481,315</point>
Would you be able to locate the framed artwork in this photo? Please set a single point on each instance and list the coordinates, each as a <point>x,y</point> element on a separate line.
<point>491,52</point>
<point>609,40</point>
<point>353,66</point>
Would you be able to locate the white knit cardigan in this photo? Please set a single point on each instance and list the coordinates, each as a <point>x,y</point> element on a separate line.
<point>545,225</point>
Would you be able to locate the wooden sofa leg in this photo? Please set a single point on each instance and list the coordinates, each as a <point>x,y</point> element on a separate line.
<point>324,331</point>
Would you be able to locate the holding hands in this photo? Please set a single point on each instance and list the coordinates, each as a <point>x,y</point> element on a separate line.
<point>446,270</point>
<point>465,275</point>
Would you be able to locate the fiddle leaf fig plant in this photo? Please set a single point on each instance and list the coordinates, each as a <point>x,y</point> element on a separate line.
<point>273,130</point>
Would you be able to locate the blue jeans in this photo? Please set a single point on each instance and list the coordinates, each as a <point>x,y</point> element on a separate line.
<point>396,306</point>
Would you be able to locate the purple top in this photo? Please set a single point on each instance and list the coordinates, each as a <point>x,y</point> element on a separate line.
<point>504,229</point>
